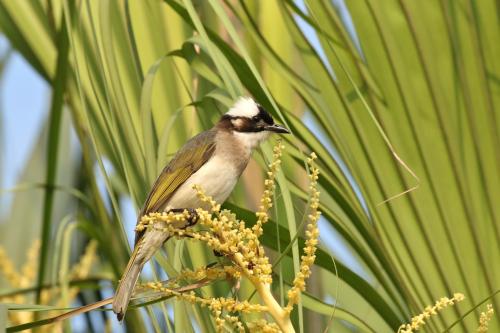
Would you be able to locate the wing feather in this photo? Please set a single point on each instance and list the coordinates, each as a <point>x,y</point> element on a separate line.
<point>196,152</point>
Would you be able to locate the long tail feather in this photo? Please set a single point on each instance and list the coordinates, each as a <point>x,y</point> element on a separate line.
<point>126,286</point>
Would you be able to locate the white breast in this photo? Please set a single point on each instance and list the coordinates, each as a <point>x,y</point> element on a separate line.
<point>217,178</point>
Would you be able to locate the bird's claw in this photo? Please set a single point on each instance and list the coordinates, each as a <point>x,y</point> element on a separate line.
<point>193,217</point>
<point>218,254</point>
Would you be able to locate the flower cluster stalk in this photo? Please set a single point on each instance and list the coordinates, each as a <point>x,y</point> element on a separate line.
<point>419,320</point>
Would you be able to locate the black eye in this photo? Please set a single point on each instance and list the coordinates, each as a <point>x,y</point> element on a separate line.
<point>256,118</point>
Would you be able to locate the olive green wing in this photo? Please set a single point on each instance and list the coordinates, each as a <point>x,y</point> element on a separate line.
<point>196,152</point>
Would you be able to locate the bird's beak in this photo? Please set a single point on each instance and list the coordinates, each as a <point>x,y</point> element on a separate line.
<point>276,128</point>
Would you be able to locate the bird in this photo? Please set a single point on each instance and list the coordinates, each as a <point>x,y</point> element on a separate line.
<point>214,160</point>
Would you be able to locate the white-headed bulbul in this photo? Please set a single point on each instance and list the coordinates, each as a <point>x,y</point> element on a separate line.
<point>214,160</point>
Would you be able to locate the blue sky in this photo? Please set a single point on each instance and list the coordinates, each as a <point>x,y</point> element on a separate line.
<point>24,100</point>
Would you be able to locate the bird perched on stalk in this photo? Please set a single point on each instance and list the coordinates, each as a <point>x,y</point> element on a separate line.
<point>214,160</point>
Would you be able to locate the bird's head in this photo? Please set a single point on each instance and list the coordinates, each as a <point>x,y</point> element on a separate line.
<point>250,121</point>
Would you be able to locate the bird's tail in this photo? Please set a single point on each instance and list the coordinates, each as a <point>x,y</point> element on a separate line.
<point>126,285</point>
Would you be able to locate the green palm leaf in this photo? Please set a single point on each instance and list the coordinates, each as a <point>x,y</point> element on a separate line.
<point>413,84</point>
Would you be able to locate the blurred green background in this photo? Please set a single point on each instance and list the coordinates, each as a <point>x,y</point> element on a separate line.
<point>392,95</point>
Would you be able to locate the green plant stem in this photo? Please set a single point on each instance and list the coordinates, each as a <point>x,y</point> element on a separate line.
<point>59,84</point>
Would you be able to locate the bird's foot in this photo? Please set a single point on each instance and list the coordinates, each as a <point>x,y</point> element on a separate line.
<point>192,218</point>
<point>218,254</point>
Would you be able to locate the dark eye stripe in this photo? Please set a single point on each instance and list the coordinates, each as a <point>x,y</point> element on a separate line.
<point>246,125</point>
